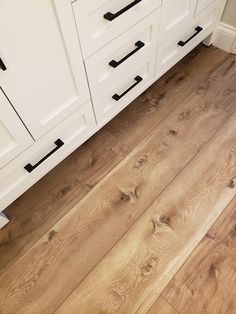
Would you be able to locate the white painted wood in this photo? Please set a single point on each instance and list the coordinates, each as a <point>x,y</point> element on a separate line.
<point>225,37</point>
<point>14,179</point>
<point>174,16</point>
<point>233,50</point>
<point>169,53</point>
<point>105,106</point>
<point>95,31</point>
<point>101,74</point>
<point>202,4</point>
<point>3,220</point>
<point>45,78</point>
<point>14,138</point>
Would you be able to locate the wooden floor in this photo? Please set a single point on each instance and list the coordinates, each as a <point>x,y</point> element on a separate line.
<point>142,217</point>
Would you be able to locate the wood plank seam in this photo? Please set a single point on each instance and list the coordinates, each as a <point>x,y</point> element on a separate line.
<point>185,166</point>
<point>150,99</point>
<point>206,144</point>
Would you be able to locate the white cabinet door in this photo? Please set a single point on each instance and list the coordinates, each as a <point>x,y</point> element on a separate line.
<point>202,4</point>
<point>14,138</point>
<point>174,15</point>
<point>45,78</point>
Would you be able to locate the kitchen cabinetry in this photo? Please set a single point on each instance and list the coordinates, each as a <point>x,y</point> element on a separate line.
<point>45,78</point>
<point>68,67</point>
<point>14,138</point>
<point>174,15</point>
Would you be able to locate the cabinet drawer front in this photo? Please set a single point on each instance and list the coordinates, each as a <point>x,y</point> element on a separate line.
<point>45,154</point>
<point>202,4</point>
<point>14,138</point>
<point>124,90</point>
<point>108,64</point>
<point>95,31</point>
<point>45,78</point>
<point>174,15</point>
<point>179,45</point>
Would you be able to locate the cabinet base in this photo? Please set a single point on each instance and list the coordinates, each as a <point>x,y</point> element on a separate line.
<point>3,220</point>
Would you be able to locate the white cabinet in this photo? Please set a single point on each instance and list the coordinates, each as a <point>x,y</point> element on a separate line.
<point>203,4</point>
<point>45,78</point>
<point>101,21</point>
<point>53,105</point>
<point>176,47</point>
<point>44,154</point>
<point>114,61</point>
<point>174,15</point>
<point>14,138</point>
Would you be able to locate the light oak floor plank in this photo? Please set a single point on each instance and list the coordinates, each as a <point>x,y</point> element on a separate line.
<point>161,306</point>
<point>206,283</point>
<point>172,129</point>
<point>224,230</point>
<point>35,212</point>
<point>157,245</point>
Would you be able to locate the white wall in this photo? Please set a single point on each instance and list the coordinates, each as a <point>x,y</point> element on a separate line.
<point>229,15</point>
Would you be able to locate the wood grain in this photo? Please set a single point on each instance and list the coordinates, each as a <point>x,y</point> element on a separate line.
<point>119,199</point>
<point>110,181</point>
<point>54,195</point>
<point>206,283</point>
<point>35,212</point>
<point>207,276</point>
<point>184,79</point>
<point>162,307</point>
<point>157,245</point>
<point>224,230</point>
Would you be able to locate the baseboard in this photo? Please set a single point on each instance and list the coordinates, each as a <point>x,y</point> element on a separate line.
<point>225,37</point>
<point>3,220</point>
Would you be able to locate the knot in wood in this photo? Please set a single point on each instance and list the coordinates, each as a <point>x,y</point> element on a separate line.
<point>51,235</point>
<point>147,268</point>
<point>165,219</point>
<point>129,196</point>
<point>184,115</point>
<point>232,183</point>
<point>173,132</point>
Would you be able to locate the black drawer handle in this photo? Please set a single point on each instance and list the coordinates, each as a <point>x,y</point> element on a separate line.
<point>139,44</point>
<point>59,143</point>
<point>138,79</point>
<point>2,65</point>
<point>198,29</point>
<point>111,16</point>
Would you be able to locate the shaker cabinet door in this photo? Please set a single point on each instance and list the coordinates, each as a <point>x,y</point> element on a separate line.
<point>203,4</point>
<point>174,15</point>
<point>44,77</point>
<point>14,138</point>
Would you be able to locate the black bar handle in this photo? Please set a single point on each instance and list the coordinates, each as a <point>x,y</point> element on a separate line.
<point>111,16</point>
<point>139,44</point>
<point>2,65</point>
<point>138,79</point>
<point>59,143</point>
<point>198,29</point>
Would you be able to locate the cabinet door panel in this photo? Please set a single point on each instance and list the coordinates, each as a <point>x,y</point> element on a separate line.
<point>14,138</point>
<point>174,15</point>
<point>45,78</point>
<point>95,31</point>
<point>202,4</point>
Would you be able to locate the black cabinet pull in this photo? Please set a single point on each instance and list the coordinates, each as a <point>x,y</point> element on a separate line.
<point>2,65</point>
<point>138,79</point>
<point>139,44</point>
<point>198,29</point>
<point>59,143</point>
<point>111,16</point>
